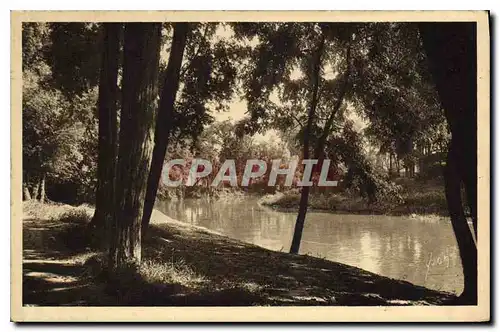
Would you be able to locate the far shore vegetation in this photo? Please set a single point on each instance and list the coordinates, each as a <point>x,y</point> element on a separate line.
<point>416,199</point>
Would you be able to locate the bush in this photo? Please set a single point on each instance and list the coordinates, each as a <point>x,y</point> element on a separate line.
<point>56,211</point>
<point>413,197</point>
<point>78,215</point>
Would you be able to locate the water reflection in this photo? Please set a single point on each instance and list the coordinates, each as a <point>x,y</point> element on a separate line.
<point>419,251</point>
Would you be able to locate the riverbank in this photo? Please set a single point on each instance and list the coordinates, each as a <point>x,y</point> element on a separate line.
<point>417,199</point>
<point>185,265</point>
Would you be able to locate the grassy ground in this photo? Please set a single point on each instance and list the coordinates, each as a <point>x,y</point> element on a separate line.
<point>418,198</point>
<point>187,265</point>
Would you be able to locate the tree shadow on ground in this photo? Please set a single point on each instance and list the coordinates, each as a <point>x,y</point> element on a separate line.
<point>277,278</point>
<point>52,269</point>
<point>56,271</point>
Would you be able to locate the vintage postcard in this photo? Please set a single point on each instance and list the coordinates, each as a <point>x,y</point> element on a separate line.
<point>250,166</point>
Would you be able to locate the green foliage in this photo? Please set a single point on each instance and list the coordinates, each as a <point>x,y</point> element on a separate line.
<point>371,182</point>
<point>59,131</point>
<point>74,56</point>
<point>416,198</point>
<point>396,94</point>
<point>375,70</point>
<point>35,40</point>
<point>208,79</point>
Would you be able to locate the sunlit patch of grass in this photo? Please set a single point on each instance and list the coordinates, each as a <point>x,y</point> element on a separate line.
<point>54,211</point>
<point>95,263</point>
<point>45,211</point>
<point>156,272</point>
<point>79,215</point>
<point>88,257</point>
<point>252,287</point>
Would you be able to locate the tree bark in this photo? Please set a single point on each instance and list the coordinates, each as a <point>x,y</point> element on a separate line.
<point>139,103</point>
<point>36,188</point>
<point>163,121</point>
<point>108,131</point>
<point>304,195</point>
<point>26,192</point>
<point>390,164</point>
<point>107,115</point>
<point>26,189</point>
<point>42,189</point>
<point>465,242</point>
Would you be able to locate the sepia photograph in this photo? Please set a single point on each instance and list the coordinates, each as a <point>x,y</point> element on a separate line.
<point>264,166</point>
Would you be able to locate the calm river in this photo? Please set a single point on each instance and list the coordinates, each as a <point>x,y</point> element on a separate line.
<point>420,251</point>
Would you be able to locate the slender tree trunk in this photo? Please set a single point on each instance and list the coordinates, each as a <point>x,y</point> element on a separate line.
<point>42,189</point>
<point>420,161</point>
<point>107,114</point>
<point>139,103</point>
<point>163,121</point>
<point>35,189</point>
<point>26,192</point>
<point>304,195</point>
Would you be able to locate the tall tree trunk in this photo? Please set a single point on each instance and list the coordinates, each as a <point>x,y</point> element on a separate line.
<point>451,51</point>
<point>26,192</point>
<point>42,189</point>
<point>163,121</point>
<point>107,144</point>
<point>304,195</point>
<point>390,164</point>
<point>465,242</point>
<point>36,188</point>
<point>139,103</point>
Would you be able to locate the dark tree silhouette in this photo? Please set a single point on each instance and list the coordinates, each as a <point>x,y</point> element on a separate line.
<point>107,116</point>
<point>451,52</point>
<point>164,119</point>
<point>304,195</point>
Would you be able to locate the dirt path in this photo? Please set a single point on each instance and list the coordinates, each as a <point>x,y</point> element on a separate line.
<point>53,273</point>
